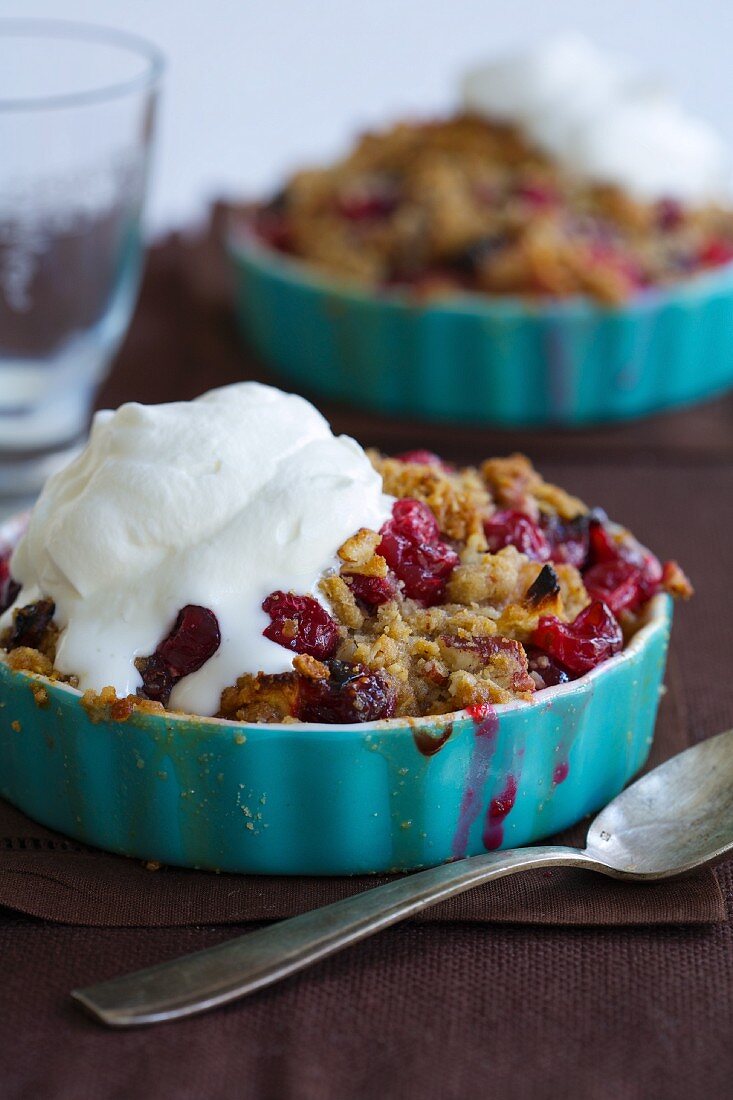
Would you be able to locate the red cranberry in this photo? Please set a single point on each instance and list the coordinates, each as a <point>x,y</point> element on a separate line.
<point>415,552</point>
<point>372,202</point>
<point>300,623</point>
<point>351,694</point>
<point>487,193</point>
<point>9,588</point>
<point>511,528</point>
<point>591,638</point>
<point>716,252</point>
<point>423,458</point>
<point>611,256</point>
<point>414,520</point>
<point>670,214</point>
<point>616,583</point>
<point>30,624</point>
<point>195,638</point>
<point>622,574</point>
<point>373,591</point>
<point>603,546</point>
<point>568,539</point>
<point>537,195</point>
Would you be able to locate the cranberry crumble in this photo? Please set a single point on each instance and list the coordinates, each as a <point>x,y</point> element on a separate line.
<point>485,585</point>
<point>469,203</point>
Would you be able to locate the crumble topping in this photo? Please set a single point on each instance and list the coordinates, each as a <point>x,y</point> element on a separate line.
<point>467,203</point>
<point>486,585</point>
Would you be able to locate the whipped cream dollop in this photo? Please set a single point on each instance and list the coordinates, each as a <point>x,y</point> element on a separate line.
<point>218,502</point>
<point>601,121</point>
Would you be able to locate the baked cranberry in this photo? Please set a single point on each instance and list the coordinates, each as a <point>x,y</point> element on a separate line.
<point>9,588</point>
<point>591,638</point>
<point>612,256</point>
<point>670,214</point>
<point>536,194</point>
<point>30,624</point>
<point>414,520</point>
<point>568,539</point>
<point>619,584</point>
<point>414,550</point>
<point>487,192</point>
<point>423,458</point>
<point>543,668</point>
<point>351,694</point>
<point>372,201</point>
<point>195,638</point>
<point>512,528</point>
<point>622,573</point>
<point>300,623</point>
<point>715,252</point>
<point>373,591</point>
<point>604,547</point>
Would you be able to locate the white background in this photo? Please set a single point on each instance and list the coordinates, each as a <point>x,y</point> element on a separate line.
<point>256,86</point>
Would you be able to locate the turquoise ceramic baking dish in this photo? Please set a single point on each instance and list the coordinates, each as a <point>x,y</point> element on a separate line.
<point>310,799</point>
<point>470,359</point>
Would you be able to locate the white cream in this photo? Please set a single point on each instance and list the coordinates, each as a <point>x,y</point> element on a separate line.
<point>217,502</point>
<point>601,122</point>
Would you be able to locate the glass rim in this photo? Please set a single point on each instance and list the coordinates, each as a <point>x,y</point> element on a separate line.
<point>153,58</point>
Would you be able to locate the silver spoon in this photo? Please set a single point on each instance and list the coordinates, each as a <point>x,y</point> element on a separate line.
<point>677,817</point>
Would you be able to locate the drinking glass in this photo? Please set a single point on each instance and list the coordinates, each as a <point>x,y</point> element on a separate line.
<point>77,118</point>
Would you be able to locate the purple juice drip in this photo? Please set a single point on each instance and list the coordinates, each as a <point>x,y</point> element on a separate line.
<point>486,727</point>
<point>560,773</point>
<point>499,808</point>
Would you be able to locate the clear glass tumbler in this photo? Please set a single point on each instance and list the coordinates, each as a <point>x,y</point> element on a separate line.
<point>77,118</point>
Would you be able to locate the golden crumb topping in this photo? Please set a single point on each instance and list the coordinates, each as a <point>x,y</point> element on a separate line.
<point>485,586</point>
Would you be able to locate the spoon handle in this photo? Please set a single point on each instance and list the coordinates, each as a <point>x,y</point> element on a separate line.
<point>194,983</point>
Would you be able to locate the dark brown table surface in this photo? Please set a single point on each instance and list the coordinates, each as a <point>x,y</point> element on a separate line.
<point>422,1011</point>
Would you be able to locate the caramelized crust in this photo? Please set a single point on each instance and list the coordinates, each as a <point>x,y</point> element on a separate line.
<point>514,483</point>
<point>260,698</point>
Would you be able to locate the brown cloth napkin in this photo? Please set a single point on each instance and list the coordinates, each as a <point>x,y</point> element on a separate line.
<point>49,876</point>
<point>183,342</point>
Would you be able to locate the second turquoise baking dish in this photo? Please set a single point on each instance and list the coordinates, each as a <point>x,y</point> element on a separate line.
<point>476,360</point>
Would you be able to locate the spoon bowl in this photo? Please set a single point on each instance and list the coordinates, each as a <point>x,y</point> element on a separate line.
<point>677,817</point>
